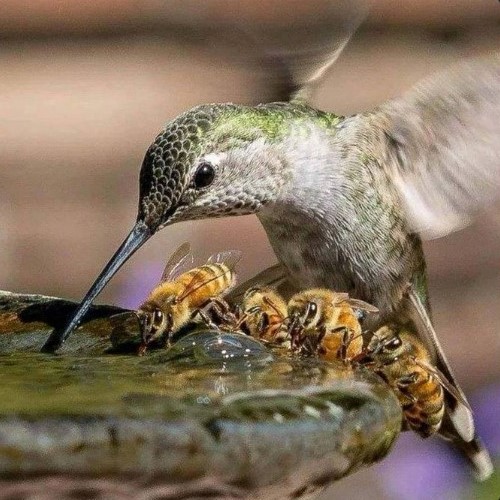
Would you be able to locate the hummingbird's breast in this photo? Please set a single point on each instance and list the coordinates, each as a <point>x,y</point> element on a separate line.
<point>373,266</point>
<point>339,224</point>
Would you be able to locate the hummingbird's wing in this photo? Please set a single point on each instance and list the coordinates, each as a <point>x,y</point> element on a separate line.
<point>442,143</point>
<point>457,406</point>
<point>299,49</point>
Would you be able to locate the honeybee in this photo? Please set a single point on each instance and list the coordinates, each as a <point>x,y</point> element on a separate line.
<point>263,314</point>
<point>325,323</point>
<point>405,364</point>
<point>184,291</point>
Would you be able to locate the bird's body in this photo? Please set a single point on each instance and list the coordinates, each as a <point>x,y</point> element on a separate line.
<point>344,201</point>
<point>338,222</point>
<point>320,190</point>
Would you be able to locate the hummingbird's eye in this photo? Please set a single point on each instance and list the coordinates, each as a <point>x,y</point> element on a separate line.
<point>204,175</point>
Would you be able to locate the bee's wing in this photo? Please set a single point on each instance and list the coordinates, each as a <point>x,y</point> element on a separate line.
<point>229,257</point>
<point>442,145</point>
<point>459,409</point>
<point>340,297</point>
<point>361,304</point>
<point>272,276</point>
<point>180,261</point>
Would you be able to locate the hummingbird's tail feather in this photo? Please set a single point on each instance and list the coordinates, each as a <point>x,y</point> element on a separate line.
<point>478,456</point>
<point>473,451</point>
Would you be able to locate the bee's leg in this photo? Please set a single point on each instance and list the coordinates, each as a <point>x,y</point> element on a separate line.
<point>296,330</point>
<point>239,316</point>
<point>205,318</point>
<point>263,324</point>
<point>404,382</point>
<point>346,340</point>
<point>240,319</point>
<point>220,304</point>
<point>223,312</point>
<point>318,348</point>
<point>306,345</point>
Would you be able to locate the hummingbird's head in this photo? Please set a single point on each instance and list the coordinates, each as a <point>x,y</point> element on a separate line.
<point>212,161</point>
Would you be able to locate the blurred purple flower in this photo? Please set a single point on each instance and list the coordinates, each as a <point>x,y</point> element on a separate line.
<point>486,405</point>
<point>419,469</point>
<point>140,282</point>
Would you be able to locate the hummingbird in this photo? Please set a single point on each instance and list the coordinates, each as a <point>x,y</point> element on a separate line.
<point>345,200</point>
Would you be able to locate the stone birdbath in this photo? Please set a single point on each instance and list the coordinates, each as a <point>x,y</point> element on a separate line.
<point>217,415</point>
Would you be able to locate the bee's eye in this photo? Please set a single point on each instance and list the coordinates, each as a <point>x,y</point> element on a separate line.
<point>204,175</point>
<point>157,317</point>
<point>393,344</point>
<point>311,310</point>
<point>263,322</point>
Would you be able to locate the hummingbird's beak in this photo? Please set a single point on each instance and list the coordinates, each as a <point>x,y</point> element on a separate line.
<point>138,236</point>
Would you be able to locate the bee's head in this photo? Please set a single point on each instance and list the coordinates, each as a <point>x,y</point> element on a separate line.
<point>155,322</point>
<point>305,314</point>
<point>386,345</point>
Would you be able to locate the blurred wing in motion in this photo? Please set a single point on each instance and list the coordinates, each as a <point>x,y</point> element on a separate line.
<point>443,145</point>
<point>181,260</point>
<point>305,43</point>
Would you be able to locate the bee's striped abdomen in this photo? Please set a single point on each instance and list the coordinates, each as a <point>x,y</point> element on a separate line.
<point>425,414</point>
<point>205,282</point>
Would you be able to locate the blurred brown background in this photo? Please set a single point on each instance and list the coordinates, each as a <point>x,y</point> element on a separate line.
<point>85,86</point>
